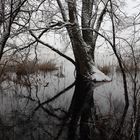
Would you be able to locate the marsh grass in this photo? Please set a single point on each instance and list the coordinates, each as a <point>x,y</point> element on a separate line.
<point>47,66</point>
<point>128,67</point>
<point>106,69</point>
<point>27,67</point>
<point>21,72</point>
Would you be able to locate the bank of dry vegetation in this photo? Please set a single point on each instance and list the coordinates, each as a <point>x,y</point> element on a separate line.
<point>28,67</point>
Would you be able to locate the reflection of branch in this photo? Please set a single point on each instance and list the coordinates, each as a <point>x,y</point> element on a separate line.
<point>43,108</point>
<point>51,113</point>
<point>52,48</point>
<point>62,127</point>
<point>40,105</point>
<point>53,98</point>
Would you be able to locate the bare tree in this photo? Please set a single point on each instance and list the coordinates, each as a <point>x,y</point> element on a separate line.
<point>82,20</point>
<point>83,35</point>
<point>8,12</point>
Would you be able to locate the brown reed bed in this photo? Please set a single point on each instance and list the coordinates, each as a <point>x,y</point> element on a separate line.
<point>28,67</point>
<point>106,69</point>
<point>47,66</point>
<point>128,67</point>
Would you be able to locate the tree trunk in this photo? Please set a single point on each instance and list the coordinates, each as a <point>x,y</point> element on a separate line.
<point>80,109</point>
<point>3,41</point>
<point>83,45</point>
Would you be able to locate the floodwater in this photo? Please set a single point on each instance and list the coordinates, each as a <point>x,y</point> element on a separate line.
<point>18,101</point>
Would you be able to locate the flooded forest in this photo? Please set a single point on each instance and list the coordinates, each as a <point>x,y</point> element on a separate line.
<point>69,70</point>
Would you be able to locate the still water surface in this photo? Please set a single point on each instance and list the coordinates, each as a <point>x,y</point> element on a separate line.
<point>15,108</point>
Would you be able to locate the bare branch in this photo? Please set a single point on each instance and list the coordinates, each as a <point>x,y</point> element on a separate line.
<point>64,15</point>
<point>52,48</point>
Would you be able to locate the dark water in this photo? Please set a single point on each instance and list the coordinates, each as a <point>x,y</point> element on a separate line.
<point>18,101</point>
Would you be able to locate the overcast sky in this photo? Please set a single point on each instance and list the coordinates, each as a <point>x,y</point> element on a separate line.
<point>132,6</point>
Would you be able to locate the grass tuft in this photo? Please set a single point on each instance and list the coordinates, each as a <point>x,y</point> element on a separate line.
<point>106,69</point>
<point>25,68</point>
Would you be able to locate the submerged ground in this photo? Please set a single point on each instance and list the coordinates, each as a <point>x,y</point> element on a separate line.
<point>22,114</point>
